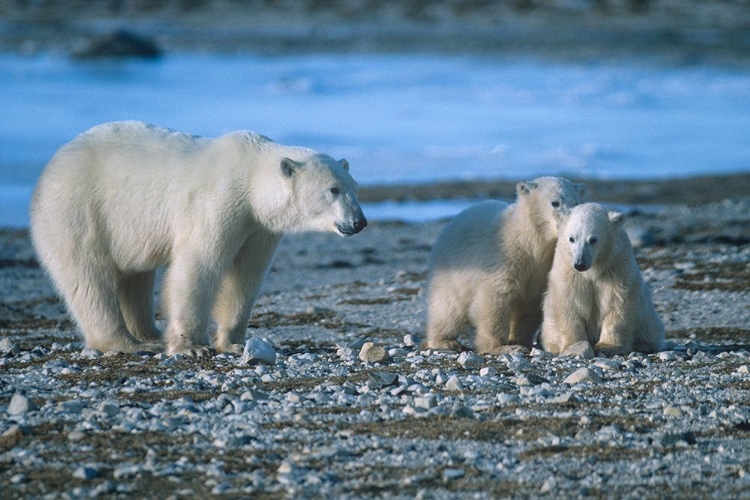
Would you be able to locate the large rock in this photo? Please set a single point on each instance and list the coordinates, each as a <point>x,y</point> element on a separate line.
<point>20,404</point>
<point>582,375</point>
<point>372,353</point>
<point>258,351</point>
<point>121,43</point>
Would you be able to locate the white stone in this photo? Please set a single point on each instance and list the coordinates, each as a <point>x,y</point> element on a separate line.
<point>487,371</point>
<point>372,353</point>
<point>20,404</point>
<point>582,375</point>
<point>454,384</point>
<point>257,351</point>
<point>426,402</point>
<point>468,359</point>
<point>86,473</point>
<point>410,341</point>
<point>91,353</point>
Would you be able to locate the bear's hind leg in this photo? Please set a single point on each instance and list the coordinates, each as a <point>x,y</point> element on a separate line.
<point>92,298</point>
<point>136,294</point>
<point>490,314</point>
<point>445,321</point>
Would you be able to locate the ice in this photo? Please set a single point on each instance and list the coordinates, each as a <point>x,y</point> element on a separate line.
<point>396,118</point>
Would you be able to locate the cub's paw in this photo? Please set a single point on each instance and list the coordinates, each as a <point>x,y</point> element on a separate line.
<point>231,348</point>
<point>191,351</point>
<point>152,347</point>
<point>442,345</point>
<point>610,350</point>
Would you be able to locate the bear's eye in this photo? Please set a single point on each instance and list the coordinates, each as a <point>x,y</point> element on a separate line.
<point>335,191</point>
<point>593,240</point>
<point>572,240</point>
<point>555,204</point>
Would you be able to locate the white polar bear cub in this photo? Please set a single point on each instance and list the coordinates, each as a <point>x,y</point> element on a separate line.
<point>596,292</point>
<point>125,198</point>
<point>489,267</point>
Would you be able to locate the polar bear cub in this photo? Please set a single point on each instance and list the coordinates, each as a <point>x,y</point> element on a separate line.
<point>596,292</point>
<point>489,267</point>
<point>125,198</point>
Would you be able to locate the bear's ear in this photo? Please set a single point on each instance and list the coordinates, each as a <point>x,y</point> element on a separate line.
<point>616,218</point>
<point>561,215</point>
<point>524,188</point>
<point>289,167</point>
<point>581,189</point>
<point>344,164</point>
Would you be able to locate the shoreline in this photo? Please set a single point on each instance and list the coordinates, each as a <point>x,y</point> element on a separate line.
<point>691,191</point>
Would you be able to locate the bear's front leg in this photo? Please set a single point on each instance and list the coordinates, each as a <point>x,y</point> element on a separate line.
<point>613,340</point>
<point>192,284</point>
<point>238,290</point>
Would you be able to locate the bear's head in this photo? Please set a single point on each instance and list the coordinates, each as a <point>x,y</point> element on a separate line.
<point>545,198</point>
<point>588,232</point>
<point>324,194</point>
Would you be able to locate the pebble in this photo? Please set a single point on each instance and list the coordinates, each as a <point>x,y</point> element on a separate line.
<point>454,384</point>
<point>372,353</point>
<point>378,380</point>
<point>86,473</point>
<point>8,347</point>
<point>488,371</point>
<point>672,411</point>
<point>580,349</point>
<point>258,351</point>
<point>468,359</point>
<point>91,353</point>
<point>450,474</point>
<point>20,404</point>
<point>582,375</point>
<point>426,402</point>
<point>411,341</point>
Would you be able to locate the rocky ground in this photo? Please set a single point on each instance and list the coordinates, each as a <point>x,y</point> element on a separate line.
<point>321,423</point>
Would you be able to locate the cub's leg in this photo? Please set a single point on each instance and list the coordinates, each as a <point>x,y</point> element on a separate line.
<point>523,328</point>
<point>614,339</point>
<point>490,313</point>
<point>136,294</point>
<point>238,290</point>
<point>446,317</point>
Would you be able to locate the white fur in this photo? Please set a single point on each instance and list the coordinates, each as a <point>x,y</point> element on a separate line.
<point>125,198</point>
<point>596,292</point>
<point>489,267</point>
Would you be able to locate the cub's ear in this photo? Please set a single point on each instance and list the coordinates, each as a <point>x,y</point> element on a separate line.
<point>344,164</point>
<point>524,188</point>
<point>580,189</point>
<point>289,167</point>
<point>616,218</point>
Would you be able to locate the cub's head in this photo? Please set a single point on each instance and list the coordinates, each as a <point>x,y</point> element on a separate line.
<point>588,232</point>
<point>325,194</point>
<point>547,197</point>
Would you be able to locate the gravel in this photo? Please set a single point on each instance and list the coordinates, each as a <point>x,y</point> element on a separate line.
<point>318,422</point>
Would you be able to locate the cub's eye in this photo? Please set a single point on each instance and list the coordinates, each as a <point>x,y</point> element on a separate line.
<point>335,191</point>
<point>592,241</point>
<point>572,240</point>
<point>555,204</point>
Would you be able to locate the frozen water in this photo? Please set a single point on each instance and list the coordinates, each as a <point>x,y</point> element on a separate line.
<point>396,118</point>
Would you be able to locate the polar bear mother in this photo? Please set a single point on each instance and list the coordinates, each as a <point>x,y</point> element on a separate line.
<point>125,198</point>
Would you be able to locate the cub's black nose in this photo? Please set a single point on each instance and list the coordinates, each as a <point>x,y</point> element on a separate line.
<point>580,266</point>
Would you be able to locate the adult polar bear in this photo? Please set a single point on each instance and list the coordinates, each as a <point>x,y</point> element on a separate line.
<point>125,198</point>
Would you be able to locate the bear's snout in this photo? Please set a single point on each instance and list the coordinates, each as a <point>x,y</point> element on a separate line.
<point>354,227</point>
<point>580,266</point>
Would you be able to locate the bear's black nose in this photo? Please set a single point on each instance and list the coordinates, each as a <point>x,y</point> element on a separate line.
<point>580,266</point>
<point>360,224</point>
